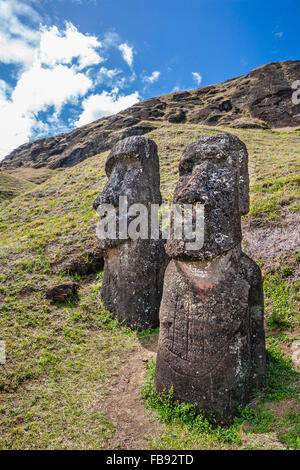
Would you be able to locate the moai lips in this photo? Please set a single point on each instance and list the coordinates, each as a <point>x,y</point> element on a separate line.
<point>133,269</point>
<point>211,347</point>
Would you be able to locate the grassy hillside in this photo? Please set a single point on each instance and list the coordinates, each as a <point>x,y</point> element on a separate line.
<point>10,186</point>
<point>67,366</point>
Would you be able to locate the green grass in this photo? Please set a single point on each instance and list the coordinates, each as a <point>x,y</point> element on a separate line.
<point>59,359</point>
<point>274,194</point>
<point>283,298</point>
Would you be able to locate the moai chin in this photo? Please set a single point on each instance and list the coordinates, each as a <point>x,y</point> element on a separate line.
<point>211,347</point>
<point>133,269</point>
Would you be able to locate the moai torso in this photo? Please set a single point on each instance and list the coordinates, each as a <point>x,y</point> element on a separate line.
<point>211,342</point>
<point>133,269</point>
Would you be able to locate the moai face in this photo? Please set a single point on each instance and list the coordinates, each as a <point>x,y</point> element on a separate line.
<point>213,172</point>
<point>133,171</point>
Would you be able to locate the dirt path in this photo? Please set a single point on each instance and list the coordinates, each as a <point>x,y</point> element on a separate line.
<point>122,404</point>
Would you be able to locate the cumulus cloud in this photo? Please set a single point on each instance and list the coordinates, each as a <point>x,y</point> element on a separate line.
<point>105,104</point>
<point>41,87</point>
<point>50,71</point>
<point>197,77</point>
<point>53,68</point>
<point>4,90</point>
<point>15,51</point>
<point>152,78</point>
<point>20,43</point>
<point>110,39</point>
<point>15,129</point>
<point>127,53</point>
<point>37,89</point>
<point>63,47</point>
<point>17,40</point>
<point>105,74</point>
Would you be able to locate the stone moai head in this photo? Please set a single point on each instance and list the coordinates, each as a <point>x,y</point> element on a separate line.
<point>133,171</point>
<point>211,348</point>
<point>213,172</point>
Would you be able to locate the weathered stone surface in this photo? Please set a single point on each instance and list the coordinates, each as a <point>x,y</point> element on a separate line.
<point>62,292</point>
<point>91,262</point>
<point>176,116</point>
<point>133,282</point>
<point>133,269</point>
<point>214,171</point>
<point>260,99</point>
<point>251,273</point>
<point>211,347</point>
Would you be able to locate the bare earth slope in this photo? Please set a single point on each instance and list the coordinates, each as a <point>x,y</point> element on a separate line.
<point>261,99</point>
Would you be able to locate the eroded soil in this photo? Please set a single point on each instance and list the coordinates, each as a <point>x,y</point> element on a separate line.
<point>122,405</point>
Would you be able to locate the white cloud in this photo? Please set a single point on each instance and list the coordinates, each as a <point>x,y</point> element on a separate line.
<point>48,78</point>
<point>4,90</point>
<point>110,39</point>
<point>105,74</point>
<point>105,104</point>
<point>55,68</point>
<point>17,41</point>
<point>197,77</point>
<point>10,23</point>
<point>63,47</point>
<point>37,89</point>
<point>127,53</point>
<point>20,43</point>
<point>40,87</point>
<point>152,78</point>
<point>15,51</point>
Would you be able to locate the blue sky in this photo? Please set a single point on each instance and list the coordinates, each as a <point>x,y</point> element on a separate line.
<point>64,63</point>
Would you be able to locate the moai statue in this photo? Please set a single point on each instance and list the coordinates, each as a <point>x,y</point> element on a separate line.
<point>211,343</point>
<point>133,268</point>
